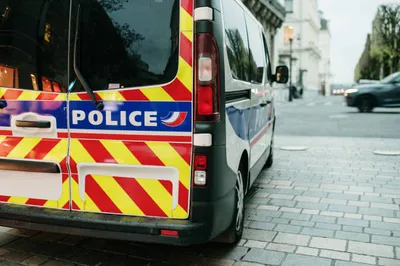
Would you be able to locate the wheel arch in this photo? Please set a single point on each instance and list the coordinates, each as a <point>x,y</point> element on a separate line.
<point>369,95</point>
<point>244,165</point>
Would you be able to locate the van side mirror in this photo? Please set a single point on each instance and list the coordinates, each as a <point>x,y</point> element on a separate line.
<point>281,74</point>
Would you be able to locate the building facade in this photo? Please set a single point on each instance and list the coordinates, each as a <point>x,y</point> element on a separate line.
<point>311,44</point>
<point>325,47</point>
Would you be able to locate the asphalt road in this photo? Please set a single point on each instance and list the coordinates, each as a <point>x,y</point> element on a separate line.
<point>328,116</point>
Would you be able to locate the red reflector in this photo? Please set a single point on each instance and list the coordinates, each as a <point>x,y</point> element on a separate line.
<point>205,100</point>
<point>200,162</point>
<point>169,233</point>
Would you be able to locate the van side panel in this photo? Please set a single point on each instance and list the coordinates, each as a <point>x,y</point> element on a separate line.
<point>237,91</point>
<point>248,104</point>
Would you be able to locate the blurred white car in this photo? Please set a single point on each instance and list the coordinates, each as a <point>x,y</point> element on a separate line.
<point>339,89</point>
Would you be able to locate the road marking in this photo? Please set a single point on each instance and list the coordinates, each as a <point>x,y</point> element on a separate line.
<point>328,103</point>
<point>338,116</point>
<point>387,153</point>
<point>294,148</point>
<point>310,104</point>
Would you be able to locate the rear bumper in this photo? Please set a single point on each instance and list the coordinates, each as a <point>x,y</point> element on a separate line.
<point>140,229</point>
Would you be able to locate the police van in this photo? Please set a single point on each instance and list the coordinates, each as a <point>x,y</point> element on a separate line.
<point>134,120</point>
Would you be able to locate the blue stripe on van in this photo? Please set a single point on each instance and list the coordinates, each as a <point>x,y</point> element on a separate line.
<point>129,116</point>
<point>56,109</point>
<point>247,123</point>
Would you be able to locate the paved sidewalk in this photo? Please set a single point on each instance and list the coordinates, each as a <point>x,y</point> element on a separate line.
<point>334,204</point>
<point>336,201</point>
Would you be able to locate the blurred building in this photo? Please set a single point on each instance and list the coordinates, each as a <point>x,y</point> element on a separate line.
<point>325,46</point>
<point>311,44</point>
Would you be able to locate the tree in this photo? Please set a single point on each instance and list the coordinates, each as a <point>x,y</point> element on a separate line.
<point>386,37</point>
<point>368,66</point>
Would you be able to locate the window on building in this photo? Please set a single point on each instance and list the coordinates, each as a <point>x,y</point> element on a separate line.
<point>237,44</point>
<point>289,6</point>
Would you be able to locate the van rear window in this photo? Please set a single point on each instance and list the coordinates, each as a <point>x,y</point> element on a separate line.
<point>122,43</point>
<point>129,43</point>
<point>34,44</point>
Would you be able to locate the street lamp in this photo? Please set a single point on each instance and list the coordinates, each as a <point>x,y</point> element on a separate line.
<point>288,35</point>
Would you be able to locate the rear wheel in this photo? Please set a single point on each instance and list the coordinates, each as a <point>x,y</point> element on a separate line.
<point>366,104</point>
<point>235,230</point>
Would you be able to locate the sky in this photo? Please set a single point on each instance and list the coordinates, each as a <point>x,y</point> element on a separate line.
<point>350,22</point>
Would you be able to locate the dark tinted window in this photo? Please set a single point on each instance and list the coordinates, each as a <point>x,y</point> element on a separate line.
<point>257,53</point>
<point>267,58</point>
<point>128,43</point>
<point>34,44</point>
<point>236,40</point>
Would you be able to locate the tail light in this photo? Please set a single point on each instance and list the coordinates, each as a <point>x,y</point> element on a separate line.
<point>200,167</point>
<point>206,72</point>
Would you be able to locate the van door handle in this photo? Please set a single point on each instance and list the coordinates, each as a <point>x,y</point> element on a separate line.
<point>265,103</point>
<point>29,166</point>
<point>31,124</point>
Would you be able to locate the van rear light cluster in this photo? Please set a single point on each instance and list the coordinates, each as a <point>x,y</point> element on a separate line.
<point>200,167</point>
<point>206,73</point>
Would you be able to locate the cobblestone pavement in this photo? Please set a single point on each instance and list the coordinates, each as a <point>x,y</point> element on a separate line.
<point>334,204</point>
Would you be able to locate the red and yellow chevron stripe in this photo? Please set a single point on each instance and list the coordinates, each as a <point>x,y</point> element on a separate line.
<point>29,95</point>
<point>54,150</point>
<point>131,196</point>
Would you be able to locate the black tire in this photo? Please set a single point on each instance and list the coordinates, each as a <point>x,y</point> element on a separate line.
<point>366,104</point>
<point>235,231</point>
<point>270,160</point>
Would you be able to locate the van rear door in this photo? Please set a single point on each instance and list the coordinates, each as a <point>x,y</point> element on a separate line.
<point>33,118</point>
<point>134,156</point>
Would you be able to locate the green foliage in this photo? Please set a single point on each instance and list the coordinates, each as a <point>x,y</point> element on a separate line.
<point>368,66</point>
<point>386,37</point>
<point>382,49</point>
<point>371,70</point>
